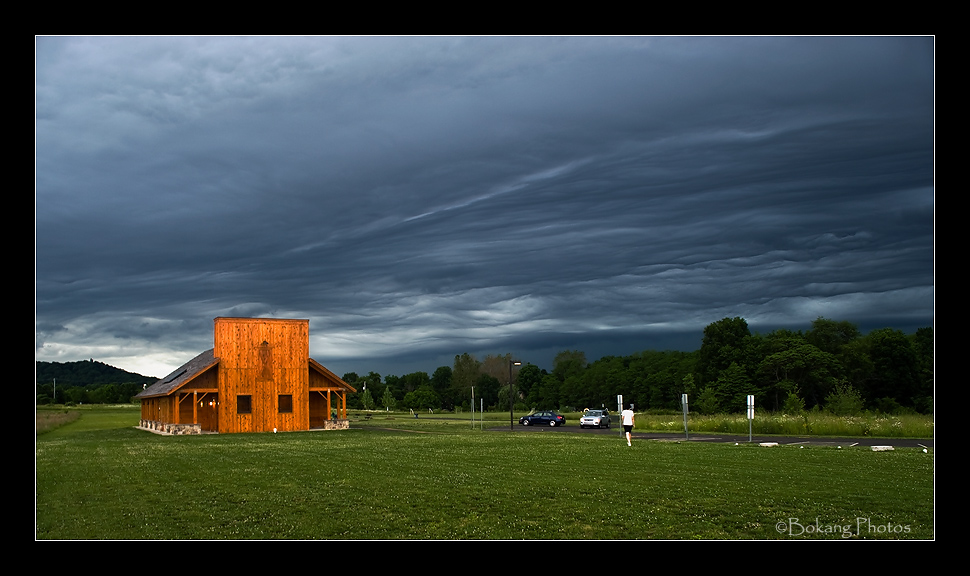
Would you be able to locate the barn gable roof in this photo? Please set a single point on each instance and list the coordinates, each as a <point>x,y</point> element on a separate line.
<point>332,378</point>
<point>206,360</point>
<point>181,375</point>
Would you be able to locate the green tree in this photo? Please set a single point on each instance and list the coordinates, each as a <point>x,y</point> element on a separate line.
<point>355,400</point>
<point>569,363</point>
<point>857,366</point>
<point>423,398</point>
<point>793,362</point>
<point>414,381</point>
<point>395,384</point>
<point>654,379</point>
<point>105,394</point>
<point>366,400</point>
<point>498,367</point>
<point>725,342</point>
<point>830,335</point>
<point>598,385</point>
<point>545,396</point>
<point>388,400</point>
<point>486,388</point>
<point>373,379</point>
<point>502,403</point>
<point>464,374</point>
<point>896,371</point>
<point>373,383</point>
<point>688,386</point>
<point>441,384</point>
<point>922,343</point>
<point>76,395</point>
<point>529,376</point>
<point>732,389</point>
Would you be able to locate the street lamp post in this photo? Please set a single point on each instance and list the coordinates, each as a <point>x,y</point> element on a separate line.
<point>511,402</point>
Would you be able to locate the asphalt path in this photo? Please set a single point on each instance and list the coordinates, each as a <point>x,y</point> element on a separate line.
<point>729,438</point>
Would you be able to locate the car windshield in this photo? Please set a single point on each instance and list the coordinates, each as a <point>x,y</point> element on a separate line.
<point>594,413</point>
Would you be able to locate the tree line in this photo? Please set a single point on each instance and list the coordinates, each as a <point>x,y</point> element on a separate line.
<point>831,366</point>
<point>86,382</point>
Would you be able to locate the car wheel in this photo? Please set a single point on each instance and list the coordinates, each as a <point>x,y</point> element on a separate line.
<point>525,422</point>
<point>552,423</point>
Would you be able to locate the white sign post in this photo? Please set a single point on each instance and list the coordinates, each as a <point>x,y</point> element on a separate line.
<point>619,411</point>
<point>750,414</point>
<point>683,402</point>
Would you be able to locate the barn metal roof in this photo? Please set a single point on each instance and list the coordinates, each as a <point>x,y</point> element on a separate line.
<point>181,375</point>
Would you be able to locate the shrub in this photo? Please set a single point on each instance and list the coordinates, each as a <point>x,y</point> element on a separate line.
<point>888,406</point>
<point>707,402</point>
<point>844,400</point>
<point>794,405</point>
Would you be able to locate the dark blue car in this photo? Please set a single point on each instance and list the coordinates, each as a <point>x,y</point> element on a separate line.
<point>544,418</point>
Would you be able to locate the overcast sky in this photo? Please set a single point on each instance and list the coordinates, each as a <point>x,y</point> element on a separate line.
<point>417,198</point>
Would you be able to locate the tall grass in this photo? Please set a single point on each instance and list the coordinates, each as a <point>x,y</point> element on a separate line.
<point>53,420</point>
<point>807,424</point>
<point>50,419</point>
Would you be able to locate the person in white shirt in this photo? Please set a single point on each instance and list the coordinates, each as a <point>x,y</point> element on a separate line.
<point>627,417</point>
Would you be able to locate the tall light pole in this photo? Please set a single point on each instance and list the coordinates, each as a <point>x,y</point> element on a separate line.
<point>511,403</point>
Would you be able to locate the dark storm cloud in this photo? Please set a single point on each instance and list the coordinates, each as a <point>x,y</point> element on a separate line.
<point>417,198</point>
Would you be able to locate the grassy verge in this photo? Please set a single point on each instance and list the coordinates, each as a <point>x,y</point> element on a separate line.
<point>807,424</point>
<point>399,477</point>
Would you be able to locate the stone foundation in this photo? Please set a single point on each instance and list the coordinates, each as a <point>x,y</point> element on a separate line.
<point>335,425</point>
<point>178,429</point>
<point>168,428</point>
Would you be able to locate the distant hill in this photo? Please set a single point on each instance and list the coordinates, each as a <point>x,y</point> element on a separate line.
<point>86,373</point>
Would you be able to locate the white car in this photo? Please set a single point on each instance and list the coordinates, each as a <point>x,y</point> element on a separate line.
<point>595,418</point>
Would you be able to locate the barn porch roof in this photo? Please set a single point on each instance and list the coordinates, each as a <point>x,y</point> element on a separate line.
<point>332,379</point>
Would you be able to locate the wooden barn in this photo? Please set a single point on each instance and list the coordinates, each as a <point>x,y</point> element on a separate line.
<point>258,377</point>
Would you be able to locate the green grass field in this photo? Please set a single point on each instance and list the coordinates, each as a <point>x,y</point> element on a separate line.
<point>405,478</point>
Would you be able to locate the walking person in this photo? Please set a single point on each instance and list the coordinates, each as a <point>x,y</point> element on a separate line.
<point>627,417</point>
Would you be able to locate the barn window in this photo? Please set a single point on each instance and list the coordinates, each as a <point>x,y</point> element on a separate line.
<point>286,403</point>
<point>244,404</point>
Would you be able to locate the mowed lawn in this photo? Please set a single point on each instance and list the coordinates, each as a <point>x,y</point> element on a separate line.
<point>99,478</point>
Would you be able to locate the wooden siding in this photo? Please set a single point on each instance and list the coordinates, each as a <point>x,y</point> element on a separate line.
<point>199,408</point>
<point>262,358</point>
